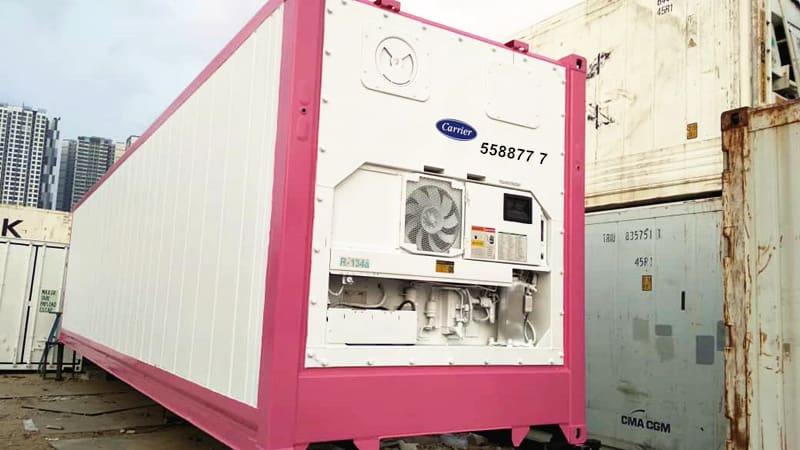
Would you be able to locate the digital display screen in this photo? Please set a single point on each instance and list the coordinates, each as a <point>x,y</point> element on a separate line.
<point>517,208</point>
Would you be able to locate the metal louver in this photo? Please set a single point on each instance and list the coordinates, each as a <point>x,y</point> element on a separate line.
<point>433,216</point>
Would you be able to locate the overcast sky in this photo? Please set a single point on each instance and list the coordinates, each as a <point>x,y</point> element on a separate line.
<point>109,67</point>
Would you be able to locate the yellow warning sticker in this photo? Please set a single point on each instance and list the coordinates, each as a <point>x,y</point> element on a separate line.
<point>445,266</point>
<point>691,131</point>
<point>483,242</point>
<point>647,282</point>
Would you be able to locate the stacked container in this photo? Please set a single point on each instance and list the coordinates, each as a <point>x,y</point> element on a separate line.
<point>33,254</point>
<point>761,201</point>
<point>660,74</point>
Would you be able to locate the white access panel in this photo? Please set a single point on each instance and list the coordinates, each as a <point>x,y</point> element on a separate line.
<point>352,326</point>
<point>654,330</point>
<point>491,237</point>
<point>169,255</point>
<point>377,66</point>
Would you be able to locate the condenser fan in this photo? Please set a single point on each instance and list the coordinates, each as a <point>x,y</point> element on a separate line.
<point>433,219</point>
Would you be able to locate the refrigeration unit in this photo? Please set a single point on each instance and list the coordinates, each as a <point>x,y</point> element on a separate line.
<point>354,224</point>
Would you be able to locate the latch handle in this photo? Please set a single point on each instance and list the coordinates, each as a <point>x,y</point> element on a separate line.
<point>518,45</point>
<point>392,5</point>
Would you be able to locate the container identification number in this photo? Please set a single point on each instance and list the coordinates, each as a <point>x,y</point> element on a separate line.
<point>664,7</point>
<point>644,234</point>
<point>519,154</point>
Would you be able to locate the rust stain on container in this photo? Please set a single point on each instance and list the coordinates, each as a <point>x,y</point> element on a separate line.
<point>737,278</point>
<point>757,176</point>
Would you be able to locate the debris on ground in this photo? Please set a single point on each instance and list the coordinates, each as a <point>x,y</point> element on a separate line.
<point>28,425</point>
<point>82,414</point>
<point>459,442</point>
<point>91,405</point>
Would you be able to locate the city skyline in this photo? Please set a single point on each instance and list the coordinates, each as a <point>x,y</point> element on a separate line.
<point>28,137</point>
<point>39,169</point>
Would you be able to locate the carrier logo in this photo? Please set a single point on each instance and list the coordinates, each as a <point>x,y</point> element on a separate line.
<point>638,419</point>
<point>456,129</point>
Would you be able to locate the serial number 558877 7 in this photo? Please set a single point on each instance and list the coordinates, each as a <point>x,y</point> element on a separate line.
<point>519,154</point>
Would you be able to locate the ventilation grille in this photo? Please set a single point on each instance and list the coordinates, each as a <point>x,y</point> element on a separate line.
<point>433,216</point>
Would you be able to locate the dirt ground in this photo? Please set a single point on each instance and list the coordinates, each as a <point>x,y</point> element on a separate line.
<point>91,411</point>
<point>88,412</point>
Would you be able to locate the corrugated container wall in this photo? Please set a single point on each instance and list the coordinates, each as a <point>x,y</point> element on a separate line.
<point>654,376</point>
<point>660,74</point>
<point>33,254</point>
<point>761,208</point>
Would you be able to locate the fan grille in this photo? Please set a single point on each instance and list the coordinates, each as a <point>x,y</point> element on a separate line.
<point>433,216</point>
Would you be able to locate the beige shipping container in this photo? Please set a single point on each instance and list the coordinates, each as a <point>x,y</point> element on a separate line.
<point>33,254</point>
<point>660,74</point>
<point>32,224</point>
<point>761,223</point>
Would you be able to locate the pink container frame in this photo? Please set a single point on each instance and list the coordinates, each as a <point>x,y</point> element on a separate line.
<point>299,406</point>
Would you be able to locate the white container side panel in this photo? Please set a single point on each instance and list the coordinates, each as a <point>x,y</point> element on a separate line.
<point>654,330</point>
<point>762,209</point>
<point>34,225</point>
<point>169,255</point>
<point>660,73</point>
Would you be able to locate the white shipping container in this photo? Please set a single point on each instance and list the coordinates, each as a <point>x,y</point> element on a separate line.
<point>654,361</point>
<point>332,210</point>
<point>33,253</point>
<point>660,74</point>
<point>761,208</point>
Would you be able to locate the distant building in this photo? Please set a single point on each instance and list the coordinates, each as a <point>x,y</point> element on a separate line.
<point>83,162</point>
<point>66,172</point>
<point>28,141</point>
<point>119,150</point>
<point>48,180</point>
<point>130,141</point>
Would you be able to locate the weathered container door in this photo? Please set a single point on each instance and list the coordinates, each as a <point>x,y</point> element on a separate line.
<point>761,199</point>
<point>31,277</point>
<point>653,327</point>
<point>45,300</point>
<point>16,273</point>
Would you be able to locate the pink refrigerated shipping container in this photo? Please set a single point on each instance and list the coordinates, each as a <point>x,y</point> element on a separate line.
<point>354,224</point>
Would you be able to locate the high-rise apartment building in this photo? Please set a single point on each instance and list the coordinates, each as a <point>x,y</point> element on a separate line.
<point>119,150</point>
<point>47,182</point>
<point>66,172</point>
<point>28,141</point>
<point>83,162</point>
